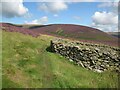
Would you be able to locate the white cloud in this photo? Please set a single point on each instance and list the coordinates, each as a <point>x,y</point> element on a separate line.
<point>13,9</point>
<point>105,18</point>
<point>77,17</point>
<point>42,20</point>
<point>67,0</point>
<point>108,4</point>
<point>106,28</point>
<point>53,7</point>
<point>113,6</point>
<point>106,21</point>
<point>55,15</point>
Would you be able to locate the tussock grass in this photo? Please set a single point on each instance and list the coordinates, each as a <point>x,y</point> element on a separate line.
<point>27,63</point>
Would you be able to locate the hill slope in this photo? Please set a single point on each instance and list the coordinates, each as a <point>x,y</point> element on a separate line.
<point>17,28</point>
<point>116,34</point>
<point>76,32</point>
<point>27,62</point>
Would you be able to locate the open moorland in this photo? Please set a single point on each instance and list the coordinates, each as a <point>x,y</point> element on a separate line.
<point>27,62</point>
<point>74,32</point>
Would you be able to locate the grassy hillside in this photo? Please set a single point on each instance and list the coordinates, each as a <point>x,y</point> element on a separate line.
<point>27,62</point>
<point>71,31</point>
<point>0,59</point>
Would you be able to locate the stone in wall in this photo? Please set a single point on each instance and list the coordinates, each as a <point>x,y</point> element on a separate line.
<point>96,57</point>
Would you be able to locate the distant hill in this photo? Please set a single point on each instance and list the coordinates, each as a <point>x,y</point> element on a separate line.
<point>116,34</point>
<point>75,32</point>
<point>18,28</point>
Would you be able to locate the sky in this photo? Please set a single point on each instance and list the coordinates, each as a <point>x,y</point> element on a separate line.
<point>101,15</point>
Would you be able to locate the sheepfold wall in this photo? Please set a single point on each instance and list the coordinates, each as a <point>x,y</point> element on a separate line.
<point>96,57</point>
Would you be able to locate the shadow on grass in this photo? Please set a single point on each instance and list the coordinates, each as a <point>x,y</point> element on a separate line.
<point>49,49</point>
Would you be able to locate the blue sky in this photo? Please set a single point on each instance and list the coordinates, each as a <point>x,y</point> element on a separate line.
<point>84,10</point>
<point>81,13</point>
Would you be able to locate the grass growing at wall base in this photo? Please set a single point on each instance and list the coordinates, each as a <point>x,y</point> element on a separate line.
<point>27,63</point>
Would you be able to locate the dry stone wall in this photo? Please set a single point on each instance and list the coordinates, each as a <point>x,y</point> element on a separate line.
<point>96,57</point>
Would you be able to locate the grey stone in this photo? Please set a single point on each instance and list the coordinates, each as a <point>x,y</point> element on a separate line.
<point>96,57</point>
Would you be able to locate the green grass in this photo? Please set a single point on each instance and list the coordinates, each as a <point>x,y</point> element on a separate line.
<point>60,31</point>
<point>26,62</point>
<point>0,59</point>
